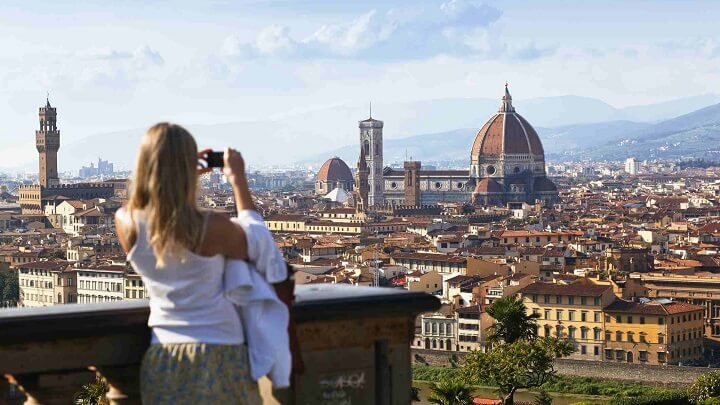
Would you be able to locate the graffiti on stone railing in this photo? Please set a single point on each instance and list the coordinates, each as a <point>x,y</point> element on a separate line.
<point>341,389</point>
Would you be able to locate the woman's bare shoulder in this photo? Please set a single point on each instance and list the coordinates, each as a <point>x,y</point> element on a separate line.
<point>224,236</point>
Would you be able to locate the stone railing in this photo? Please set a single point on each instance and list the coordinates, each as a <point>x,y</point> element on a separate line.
<point>355,343</point>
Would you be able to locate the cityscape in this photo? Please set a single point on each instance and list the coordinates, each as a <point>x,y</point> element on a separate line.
<point>501,246</point>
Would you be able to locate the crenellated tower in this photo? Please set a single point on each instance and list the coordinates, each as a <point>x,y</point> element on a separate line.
<point>47,142</point>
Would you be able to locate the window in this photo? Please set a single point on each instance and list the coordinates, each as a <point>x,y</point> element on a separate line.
<point>583,333</point>
<point>596,334</point>
<point>607,318</point>
<point>618,336</point>
<point>618,319</point>
<point>558,299</point>
<point>571,315</point>
<point>608,336</point>
<point>547,314</point>
<point>571,300</point>
<point>642,320</point>
<point>608,354</point>
<point>661,357</point>
<point>661,321</point>
<point>583,300</point>
<point>534,298</point>
<point>642,338</point>
<point>643,355</point>
<point>629,319</point>
<point>630,337</point>
<point>583,349</point>
<point>558,331</point>
<point>597,317</point>
<point>619,355</point>
<point>596,351</point>
<point>547,330</point>
<point>597,301</point>
<point>546,299</point>
<point>571,333</point>
<point>558,315</point>
<point>583,316</point>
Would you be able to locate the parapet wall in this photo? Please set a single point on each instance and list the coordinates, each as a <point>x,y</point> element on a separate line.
<point>666,376</point>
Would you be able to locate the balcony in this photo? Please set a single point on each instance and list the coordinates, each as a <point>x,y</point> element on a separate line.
<point>344,332</point>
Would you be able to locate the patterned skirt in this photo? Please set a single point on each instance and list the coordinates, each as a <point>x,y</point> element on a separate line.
<point>197,373</point>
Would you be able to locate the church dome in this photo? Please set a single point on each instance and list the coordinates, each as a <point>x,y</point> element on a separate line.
<point>335,170</point>
<point>486,186</point>
<point>506,132</point>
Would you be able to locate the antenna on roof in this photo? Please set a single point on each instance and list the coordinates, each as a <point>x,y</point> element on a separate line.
<point>371,110</point>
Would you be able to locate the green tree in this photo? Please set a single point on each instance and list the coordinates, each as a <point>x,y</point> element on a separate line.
<point>512,322</point>
<point>513,366</point>
<point>450,392</point>
<point>543,398</point>
<point>705,387</point>
<point>11,289</point>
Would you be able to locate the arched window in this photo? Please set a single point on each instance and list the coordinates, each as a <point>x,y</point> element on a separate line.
<point>366,146</point>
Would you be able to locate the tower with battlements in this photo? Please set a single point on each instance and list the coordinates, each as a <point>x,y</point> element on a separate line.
<point>47,142</point>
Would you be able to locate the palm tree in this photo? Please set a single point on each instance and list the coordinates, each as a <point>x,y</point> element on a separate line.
<point>450,392</point>
<point>512,322</point>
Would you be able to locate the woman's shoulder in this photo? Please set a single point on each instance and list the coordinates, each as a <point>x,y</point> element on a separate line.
<point>225,235</point>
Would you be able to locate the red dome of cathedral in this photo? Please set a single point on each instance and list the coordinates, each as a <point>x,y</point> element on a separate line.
<point>334,170</point>
<point>506,132</point>
<point>485,186</point>
<point>543,184</point>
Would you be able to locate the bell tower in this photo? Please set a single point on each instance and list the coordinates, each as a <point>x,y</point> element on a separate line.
<point>47,142</point>
<point>371,144</point>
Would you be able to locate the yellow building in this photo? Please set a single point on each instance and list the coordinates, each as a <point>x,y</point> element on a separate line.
<point>430,282</point>
<point>573,311</point>
<point>653,332</point>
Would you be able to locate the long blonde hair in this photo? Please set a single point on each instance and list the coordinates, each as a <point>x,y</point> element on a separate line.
<point>165,187</point>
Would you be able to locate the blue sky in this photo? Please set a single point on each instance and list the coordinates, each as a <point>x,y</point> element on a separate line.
<point>126,64</point>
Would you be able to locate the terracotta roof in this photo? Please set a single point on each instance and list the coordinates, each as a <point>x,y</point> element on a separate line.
<point>506,133</point>
<point>652,308</point>
<point>584,288</point>
<point>488,186</point>
<point>334,170</point>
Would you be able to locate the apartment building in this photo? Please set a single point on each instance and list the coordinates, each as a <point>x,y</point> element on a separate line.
<point>655,332</point>
<point>134,286</point>
<point>37,280</point>
<point>573,311</point>
<point>103,283</point>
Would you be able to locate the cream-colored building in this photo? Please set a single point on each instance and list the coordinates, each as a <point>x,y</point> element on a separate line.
<point>573,311</point>
<point>37,280</point>
<point>429,282</point>
<point>134,286</point>
<point>103,283</point>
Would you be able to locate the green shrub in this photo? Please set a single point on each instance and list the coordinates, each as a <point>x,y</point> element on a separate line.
<point>434,374</point>
<point>706,386</point>
<point>710,401</point>
<point>667,397</point>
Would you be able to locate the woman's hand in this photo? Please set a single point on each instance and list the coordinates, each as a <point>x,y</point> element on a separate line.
<point>203,155</point>
<point>234,168</point>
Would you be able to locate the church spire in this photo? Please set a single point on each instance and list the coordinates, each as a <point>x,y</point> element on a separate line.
<point>506,103</point>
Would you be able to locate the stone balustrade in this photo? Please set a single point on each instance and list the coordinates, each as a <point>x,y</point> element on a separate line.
<point>355,343</point>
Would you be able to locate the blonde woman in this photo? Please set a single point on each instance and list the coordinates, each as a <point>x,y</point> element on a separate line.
<point>197,354</point>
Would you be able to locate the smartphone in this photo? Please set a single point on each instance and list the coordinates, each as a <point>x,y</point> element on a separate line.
<point>215,159</point>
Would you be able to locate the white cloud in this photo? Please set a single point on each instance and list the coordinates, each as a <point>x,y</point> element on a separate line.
<point>347,39</point>
<point>468,13</point>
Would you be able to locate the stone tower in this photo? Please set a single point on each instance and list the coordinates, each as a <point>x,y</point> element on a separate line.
<point>47,141</point>
<point>362,181</point>
<point>412,183</point>
<point>371,143</point>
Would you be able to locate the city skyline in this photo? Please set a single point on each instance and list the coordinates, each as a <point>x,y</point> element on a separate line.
<point>120,68</point>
